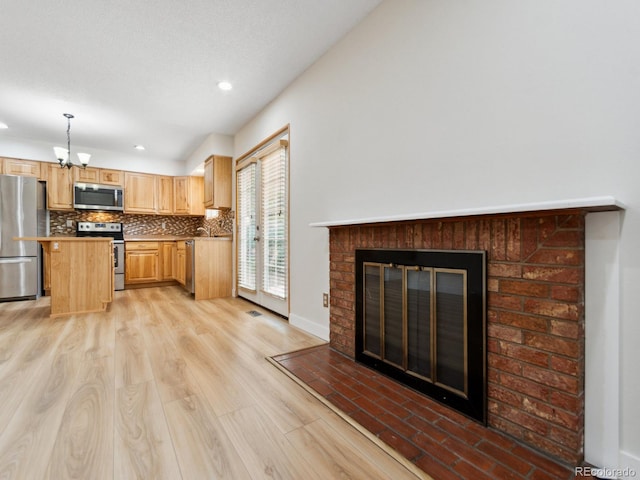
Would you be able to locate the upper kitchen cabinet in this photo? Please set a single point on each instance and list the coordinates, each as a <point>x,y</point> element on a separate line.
<point>188,195</point>
<point>217,182</point>
<point>165,195</point>
<point>140,193</point>
<point>111,177</point>
<point>86,175</point>
<point>102,176</point>
<point>59,188</point>
<point>16,166</point>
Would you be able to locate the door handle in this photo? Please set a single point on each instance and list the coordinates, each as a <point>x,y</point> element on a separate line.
<point>16,260</point>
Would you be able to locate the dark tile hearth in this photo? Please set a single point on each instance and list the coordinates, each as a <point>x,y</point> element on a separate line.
<point>441,442</point>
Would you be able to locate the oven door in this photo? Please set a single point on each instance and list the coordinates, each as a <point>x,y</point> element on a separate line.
<point>89,196</point>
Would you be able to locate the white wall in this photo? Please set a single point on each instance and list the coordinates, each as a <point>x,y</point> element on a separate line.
<point>215,144</point>
<point>439,105</point>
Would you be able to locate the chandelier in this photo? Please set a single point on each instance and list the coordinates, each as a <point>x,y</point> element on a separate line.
<point>64,154</point>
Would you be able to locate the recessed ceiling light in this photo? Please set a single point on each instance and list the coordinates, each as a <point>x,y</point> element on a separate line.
<point>3,126</point>
<point>138,147</point>
<point>225,86</point>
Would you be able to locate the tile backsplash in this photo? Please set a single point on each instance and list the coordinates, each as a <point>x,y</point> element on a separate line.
<point>142,224</point>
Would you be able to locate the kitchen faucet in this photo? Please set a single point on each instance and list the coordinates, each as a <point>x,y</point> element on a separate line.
<point>206,230</point>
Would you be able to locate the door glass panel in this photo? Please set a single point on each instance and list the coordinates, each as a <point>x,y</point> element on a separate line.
<point>372,309</point>
<point>450,330</point>
<point>274,223</point>
<point>247,227</point>
<point>393,308</point>
<point>419,322</point>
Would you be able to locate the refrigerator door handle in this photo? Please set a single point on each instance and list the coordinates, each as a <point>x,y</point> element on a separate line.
<point>16,260</point>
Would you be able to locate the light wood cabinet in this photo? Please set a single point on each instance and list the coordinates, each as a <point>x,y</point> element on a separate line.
<point>81,266</point>
<point>179,268</point>
<point>140,193</point>
<point>24,168</point>
<point>142,262</point>
<point>101,176</point>
<point>165,195</point>
<point>217,182</point>
<point>181,195</point>
<point>111,177</point>
<point>188,195</point>
<point>213,264</point>
<point>46,270</point>
<point>166,256</point>
<point>87,175</point>
<point>59,188</point>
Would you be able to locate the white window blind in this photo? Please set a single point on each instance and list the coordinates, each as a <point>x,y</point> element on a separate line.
<point>274,222</point>
<point>246,185</point>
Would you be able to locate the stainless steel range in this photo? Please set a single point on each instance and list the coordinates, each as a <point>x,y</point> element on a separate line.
<point>113,230</point>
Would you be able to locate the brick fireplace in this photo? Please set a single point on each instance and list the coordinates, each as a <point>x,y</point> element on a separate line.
<point>535,313</point>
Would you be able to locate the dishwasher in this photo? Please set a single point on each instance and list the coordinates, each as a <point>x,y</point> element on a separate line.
<point>189,260</point>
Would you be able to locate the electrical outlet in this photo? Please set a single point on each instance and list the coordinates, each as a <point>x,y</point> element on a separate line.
<point>164,225</point>
<point>325,300</point>
<point>70,223</point>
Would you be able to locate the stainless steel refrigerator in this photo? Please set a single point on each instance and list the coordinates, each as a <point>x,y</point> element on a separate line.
<point>22,214</point>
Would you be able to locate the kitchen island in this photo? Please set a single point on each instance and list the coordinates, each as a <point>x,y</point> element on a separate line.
<point>81,273</point>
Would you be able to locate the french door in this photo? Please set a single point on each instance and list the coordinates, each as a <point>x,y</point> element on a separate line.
<point>262,223</point>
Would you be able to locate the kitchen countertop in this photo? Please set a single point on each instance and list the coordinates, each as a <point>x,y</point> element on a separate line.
<point>65,239</point>
<point>170,238</point>
<point>221,237</point>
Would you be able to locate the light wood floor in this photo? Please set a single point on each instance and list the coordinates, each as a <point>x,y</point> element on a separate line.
<point>163,387</point>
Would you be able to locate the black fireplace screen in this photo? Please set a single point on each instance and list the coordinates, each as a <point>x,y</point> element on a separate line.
<point>421,320</point>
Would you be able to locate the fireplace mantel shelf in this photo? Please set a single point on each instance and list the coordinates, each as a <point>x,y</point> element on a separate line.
<point>592,204</point>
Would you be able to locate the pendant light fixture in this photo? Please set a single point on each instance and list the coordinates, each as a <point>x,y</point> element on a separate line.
<point>64,154</point>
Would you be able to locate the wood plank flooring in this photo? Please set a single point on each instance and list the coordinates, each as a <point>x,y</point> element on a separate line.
<point>163,387</point>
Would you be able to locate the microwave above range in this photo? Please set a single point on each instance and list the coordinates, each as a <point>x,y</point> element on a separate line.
<point>91,196</point>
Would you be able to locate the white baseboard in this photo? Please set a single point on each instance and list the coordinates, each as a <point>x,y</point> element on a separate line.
<point>630,462</point>
<point>314,328</point>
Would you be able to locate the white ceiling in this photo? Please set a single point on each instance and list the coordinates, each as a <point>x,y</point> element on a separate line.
<point>145,72</point>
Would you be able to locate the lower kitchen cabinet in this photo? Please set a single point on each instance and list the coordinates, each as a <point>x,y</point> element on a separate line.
<point>179,269</point>
<point>167,260</point>
<point>142,262</point>
<point>212,268</point>
<point>46,271</point>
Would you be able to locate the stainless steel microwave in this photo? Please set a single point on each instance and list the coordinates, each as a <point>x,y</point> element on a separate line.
<point>91,196</point>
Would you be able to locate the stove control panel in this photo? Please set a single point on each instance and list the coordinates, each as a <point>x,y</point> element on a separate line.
<point>99,227</point>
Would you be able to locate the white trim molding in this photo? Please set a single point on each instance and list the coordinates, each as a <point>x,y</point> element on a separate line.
<point>602,339</point>
<point>593,204</point>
